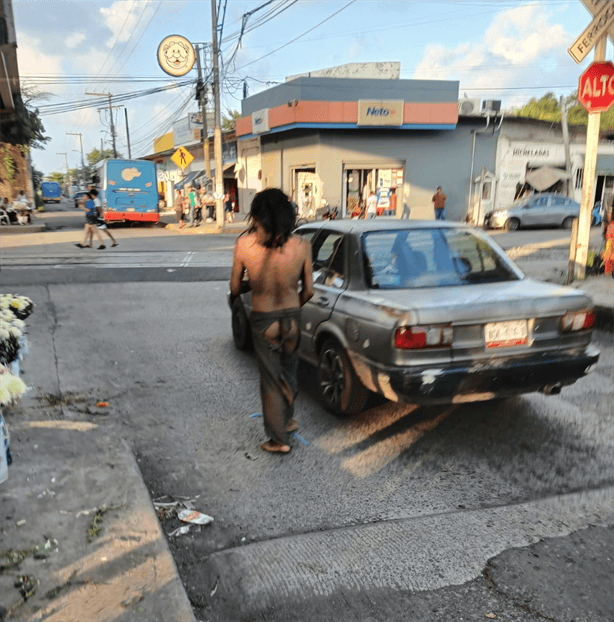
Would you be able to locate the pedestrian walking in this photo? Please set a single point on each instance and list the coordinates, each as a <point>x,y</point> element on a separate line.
<point>192,205</point>
<point>228,208</point>
<point>275,261</point>
<point>101,223</point>
<point>439,203</point>
<point>179,209</point>
<point>91,221</point>
<point>371,205</point>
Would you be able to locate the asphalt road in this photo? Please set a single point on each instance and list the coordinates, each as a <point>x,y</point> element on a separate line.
<point>402,513</point>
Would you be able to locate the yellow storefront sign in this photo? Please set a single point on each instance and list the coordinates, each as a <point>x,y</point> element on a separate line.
<point>182,157</point>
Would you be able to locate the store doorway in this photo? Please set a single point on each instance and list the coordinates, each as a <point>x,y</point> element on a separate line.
<point>307,192</point>
<point>360,182</point>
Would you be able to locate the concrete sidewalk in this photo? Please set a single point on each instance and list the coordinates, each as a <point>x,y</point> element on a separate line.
<point>75,508</point>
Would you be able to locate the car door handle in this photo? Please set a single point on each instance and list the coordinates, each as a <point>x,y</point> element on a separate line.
<point>322,301</point>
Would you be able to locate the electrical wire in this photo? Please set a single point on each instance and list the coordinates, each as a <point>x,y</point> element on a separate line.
<point>51,109</point>
<point>301,35</point>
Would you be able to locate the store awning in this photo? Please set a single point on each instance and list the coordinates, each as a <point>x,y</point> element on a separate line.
<point>188,179</point>
<point>544,177</point>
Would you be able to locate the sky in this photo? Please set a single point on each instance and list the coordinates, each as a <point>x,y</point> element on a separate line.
<point>511,50</point>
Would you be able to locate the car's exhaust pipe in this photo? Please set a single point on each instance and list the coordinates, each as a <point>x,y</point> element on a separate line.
<point>551,389</point>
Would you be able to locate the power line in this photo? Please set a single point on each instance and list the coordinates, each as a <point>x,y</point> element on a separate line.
<point>51,109</point>
<point>301,35</point>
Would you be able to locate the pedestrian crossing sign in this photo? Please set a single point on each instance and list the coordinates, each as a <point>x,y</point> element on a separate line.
<point>182,157</point>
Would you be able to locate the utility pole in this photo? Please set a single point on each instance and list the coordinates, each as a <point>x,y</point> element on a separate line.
<point>588,180</point>
<point>67,172</point>
<point>217,132</point>
<point>82,161</point>
<point>111,113</point>
<point>127,133</point>
<point>202,100</point>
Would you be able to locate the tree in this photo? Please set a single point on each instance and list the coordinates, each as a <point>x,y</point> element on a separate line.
<point>95,156</point>
<point>24,127</point>
<point>548,109</point>
<point>56,176</point>
<point>229,121</point>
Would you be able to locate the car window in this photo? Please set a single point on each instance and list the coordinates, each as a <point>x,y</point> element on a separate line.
<point>558,201</point>
<point>328,259</point>
<point>306,233</point>
<point>430,258</point>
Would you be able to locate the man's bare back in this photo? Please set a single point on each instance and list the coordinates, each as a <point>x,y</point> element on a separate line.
<point>274,273</point>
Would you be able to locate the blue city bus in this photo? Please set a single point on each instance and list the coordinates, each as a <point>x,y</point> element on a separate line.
<point>51,191</point>
<point>128,190</point>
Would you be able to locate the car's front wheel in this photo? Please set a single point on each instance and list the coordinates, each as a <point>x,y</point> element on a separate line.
<point>339,387</point>
<point>568,223</point>
<point>241,331</point>
<point>512,224</point>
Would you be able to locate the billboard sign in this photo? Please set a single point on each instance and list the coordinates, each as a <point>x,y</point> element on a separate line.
<point>380,112</point>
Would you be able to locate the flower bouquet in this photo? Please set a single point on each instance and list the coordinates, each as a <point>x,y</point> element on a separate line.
<point>11,387</point>
<point>10,335</point>
<point>20,306</point>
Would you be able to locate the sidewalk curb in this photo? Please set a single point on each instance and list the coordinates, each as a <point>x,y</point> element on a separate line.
<point>63,474</point>
<point>20,229</point>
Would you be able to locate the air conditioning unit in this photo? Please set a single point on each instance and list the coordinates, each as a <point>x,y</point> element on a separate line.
<point>468,107</point>
<point>491,105</point>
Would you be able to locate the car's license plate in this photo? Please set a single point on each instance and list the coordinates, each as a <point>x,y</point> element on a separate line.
<point>505,334</point>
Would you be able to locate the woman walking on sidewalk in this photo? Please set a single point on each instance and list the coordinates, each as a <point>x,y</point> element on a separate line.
<point>179,209</point>
<point>91,222</point>
<point>101,223</point>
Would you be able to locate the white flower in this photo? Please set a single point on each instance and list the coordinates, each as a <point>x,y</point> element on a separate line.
<point>14,331</point>
<point>17,323</point>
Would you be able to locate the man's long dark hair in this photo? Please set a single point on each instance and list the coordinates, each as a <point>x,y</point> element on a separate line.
<point>273,210</point>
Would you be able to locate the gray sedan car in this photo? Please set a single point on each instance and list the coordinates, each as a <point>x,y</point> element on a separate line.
<point>430,312</point>
<point>538,210</point>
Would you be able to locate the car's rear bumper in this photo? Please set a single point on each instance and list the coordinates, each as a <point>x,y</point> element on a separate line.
<point>480,381</point>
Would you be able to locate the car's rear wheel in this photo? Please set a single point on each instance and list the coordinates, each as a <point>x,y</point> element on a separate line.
<point>568,223</point>
<point>512,224</point>
<point>338,385</point>
<point>241,331</point>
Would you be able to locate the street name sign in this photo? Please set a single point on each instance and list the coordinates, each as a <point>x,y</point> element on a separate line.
<point>602,22</point>
<point>182,157</point>
<point>596,87</point>
<point>593,7</point>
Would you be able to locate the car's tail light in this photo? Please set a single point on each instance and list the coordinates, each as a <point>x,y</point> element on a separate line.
<point>416,337</point>
<point>578,320</point>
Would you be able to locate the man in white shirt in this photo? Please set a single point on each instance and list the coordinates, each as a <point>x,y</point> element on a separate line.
<point>372,205</point>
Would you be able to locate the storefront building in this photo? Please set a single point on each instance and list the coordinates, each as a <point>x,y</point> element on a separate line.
<point>334,140</point>
<point>187,133</point>
<point>531,156</point>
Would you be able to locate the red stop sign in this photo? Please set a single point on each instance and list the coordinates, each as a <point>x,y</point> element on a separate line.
<point>596,87</point>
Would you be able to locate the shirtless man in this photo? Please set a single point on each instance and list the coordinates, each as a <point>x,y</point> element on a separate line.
<point>275,261</point>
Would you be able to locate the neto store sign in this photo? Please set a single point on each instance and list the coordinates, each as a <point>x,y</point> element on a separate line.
<point>380,112</point>
<point>260,121</point>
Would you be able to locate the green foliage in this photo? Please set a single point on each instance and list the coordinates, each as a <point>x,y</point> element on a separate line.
<point>229,121</point>
<point>56,176</point>
<point>95,156</point>
<point>548,109</point>
<point>8,163</point>
<point>24,127</point>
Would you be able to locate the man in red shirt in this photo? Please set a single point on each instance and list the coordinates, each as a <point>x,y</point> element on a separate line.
<point>439,202</point>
